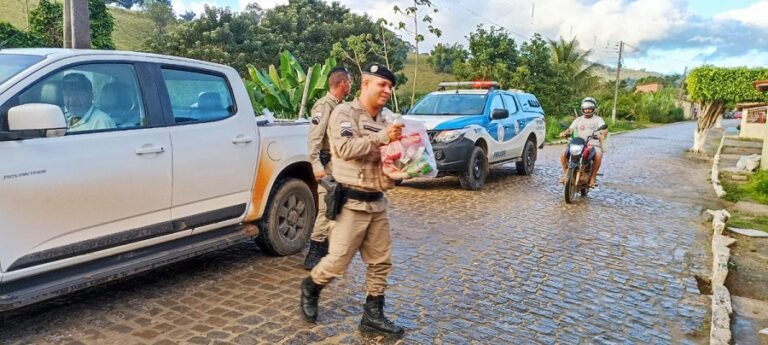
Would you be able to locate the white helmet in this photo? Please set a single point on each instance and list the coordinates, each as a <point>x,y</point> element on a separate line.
<point>588,103</point>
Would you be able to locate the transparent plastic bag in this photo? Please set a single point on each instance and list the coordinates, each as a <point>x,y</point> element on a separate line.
<point>411,155</point>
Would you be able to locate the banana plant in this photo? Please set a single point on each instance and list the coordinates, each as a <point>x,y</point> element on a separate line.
<point>282,92</point>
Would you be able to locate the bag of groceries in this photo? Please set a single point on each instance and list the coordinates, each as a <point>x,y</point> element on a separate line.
<point>411,155</point>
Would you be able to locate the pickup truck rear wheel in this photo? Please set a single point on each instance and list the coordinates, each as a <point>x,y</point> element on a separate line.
<point>290,216</point>
<point>525,165</point>
<point>473,177</point>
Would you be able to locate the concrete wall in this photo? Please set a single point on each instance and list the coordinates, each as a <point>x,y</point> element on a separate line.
<point>751,129</point>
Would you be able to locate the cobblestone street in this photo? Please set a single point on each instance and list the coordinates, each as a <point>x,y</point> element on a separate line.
<point>510,264</point>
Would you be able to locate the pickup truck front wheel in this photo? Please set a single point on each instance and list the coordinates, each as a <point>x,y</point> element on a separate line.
<point>290,216</point>
<point>473,178</point>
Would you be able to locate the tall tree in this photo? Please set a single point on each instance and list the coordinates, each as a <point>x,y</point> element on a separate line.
<point>576,61</point>
<point>161,14</point>
<point>493,55</point>
<point>217,35</point>
<point>187,16</point>
<point>714,88</point>
<point>416,13</point>
<point>443,57</point>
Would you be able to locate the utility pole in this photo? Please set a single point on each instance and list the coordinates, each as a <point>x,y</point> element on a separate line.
<point>76,25</point>
<point>618,78</point>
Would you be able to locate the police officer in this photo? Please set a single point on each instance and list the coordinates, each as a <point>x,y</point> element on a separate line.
<point>319,155</point>
<point>356,130</point>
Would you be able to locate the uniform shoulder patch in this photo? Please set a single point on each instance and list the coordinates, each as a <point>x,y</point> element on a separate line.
<point>346,129</point>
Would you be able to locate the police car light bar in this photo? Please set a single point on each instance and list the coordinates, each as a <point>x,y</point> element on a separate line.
<point>468,84</point>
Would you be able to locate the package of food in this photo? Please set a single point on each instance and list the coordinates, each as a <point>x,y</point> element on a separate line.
<point>411,155</point>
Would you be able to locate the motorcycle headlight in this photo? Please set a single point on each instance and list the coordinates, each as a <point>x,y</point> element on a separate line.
<point>576,149</point>
<point>449,136</point>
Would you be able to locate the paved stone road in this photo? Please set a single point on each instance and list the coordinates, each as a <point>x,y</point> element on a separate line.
<point>511,264</point>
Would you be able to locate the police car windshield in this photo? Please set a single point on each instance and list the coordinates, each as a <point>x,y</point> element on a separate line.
<point>12,64</point>
<point>450,104</point>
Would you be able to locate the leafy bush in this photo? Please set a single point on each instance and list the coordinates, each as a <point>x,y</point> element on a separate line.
<point>282,93</point>
<point>756,188</point>
<point>11,37</point>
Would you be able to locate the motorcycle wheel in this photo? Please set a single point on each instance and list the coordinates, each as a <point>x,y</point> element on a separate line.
<point>570,185</point>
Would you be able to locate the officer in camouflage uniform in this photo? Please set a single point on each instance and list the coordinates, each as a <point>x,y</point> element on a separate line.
<point>356,130</point>
<point>319,155</point>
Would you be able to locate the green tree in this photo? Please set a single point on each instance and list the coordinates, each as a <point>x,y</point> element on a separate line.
<point>161,14</point>
<point>493,55</point>
<point>309,28</point>
<point>187,16</point>
<point>11,37</point>
<point>536,73</point>
<point>46,21</point>
<point>416,13</point>
<point>443,57</point>
<point>576,61</point>
<point>715,88</point>
<point>217,35</point>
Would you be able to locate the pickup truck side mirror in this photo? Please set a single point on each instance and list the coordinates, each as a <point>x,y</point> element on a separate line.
<point>36,120</point>
<point>499,114</point>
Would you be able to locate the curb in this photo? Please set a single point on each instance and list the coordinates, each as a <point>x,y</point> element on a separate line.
<point>720,331</point>
<point>716,170</point>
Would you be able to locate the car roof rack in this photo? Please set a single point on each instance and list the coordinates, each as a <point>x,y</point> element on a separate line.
<point>490,85</point>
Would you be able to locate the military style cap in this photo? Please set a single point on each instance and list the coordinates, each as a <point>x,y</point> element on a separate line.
<point>381,72</point>
<point>338,69</point>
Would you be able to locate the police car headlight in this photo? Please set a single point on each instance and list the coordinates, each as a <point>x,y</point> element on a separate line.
<point>576,149</point>
<point>449,136</point>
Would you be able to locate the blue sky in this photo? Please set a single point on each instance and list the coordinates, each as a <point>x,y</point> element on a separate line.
<point>661,35</point>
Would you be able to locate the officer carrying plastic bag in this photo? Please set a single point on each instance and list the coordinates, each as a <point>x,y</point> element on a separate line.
<point>412,155</point>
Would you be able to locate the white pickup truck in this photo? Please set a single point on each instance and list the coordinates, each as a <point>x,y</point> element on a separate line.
<point>113,163</point>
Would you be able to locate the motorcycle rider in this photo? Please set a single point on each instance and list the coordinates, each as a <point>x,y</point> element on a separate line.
<point>584,126</point>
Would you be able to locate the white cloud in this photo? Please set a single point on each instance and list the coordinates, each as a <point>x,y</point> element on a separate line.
<point>755,15</point>
<point>265,4</point>
<point>180,6</point>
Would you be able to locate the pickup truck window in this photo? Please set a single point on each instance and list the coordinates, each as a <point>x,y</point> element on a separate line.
<point>12,64</point>
<point>92,97</point>
<point>496,103</point>
<point>450,104</point>
<point>509,101</point>
<point>198,97</point>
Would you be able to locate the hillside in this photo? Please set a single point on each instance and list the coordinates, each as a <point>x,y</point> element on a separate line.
<point>130,27</point>
<point>609,73</point>
<point>427,79</point>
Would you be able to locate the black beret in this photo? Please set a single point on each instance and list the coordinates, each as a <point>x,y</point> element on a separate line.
<point>338,69</point>
<point>381,72</point>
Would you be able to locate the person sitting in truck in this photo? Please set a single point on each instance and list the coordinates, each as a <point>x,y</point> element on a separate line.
<point>79,111</point>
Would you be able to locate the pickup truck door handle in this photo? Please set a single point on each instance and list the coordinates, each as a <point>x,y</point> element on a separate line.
<point>149,149</point>
<point>242,139</point>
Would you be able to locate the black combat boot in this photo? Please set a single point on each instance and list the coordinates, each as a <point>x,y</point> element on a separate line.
<point>317,250</point>
<point>310,295</point>
<point>374,319</point>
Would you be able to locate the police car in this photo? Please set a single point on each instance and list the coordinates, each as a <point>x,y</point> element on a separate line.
<point>473,125</point>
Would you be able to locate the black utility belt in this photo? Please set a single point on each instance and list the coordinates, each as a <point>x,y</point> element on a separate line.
<point>360,195</point>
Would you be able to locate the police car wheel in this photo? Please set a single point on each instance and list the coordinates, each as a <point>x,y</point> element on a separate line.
<point>288,219</point>
<point>473,178</point>
<point>525,166</point>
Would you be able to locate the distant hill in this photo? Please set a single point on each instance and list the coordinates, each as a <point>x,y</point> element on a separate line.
<point>130,27</point>
<point>609,73</point>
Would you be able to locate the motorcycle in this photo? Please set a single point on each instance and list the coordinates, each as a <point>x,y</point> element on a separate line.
<point>581,156</point>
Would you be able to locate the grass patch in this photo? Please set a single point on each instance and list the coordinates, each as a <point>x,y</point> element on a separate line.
<point>743,221</point>
<point>755,190</point>
<point>426,82</point>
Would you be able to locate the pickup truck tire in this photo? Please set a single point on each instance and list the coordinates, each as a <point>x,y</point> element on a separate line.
<point>473,178</point>
<point>289,218</point>
<point>526,164</point>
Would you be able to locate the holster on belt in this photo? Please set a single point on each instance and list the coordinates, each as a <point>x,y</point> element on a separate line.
<point>334,199</point>
<point>325,157</point>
